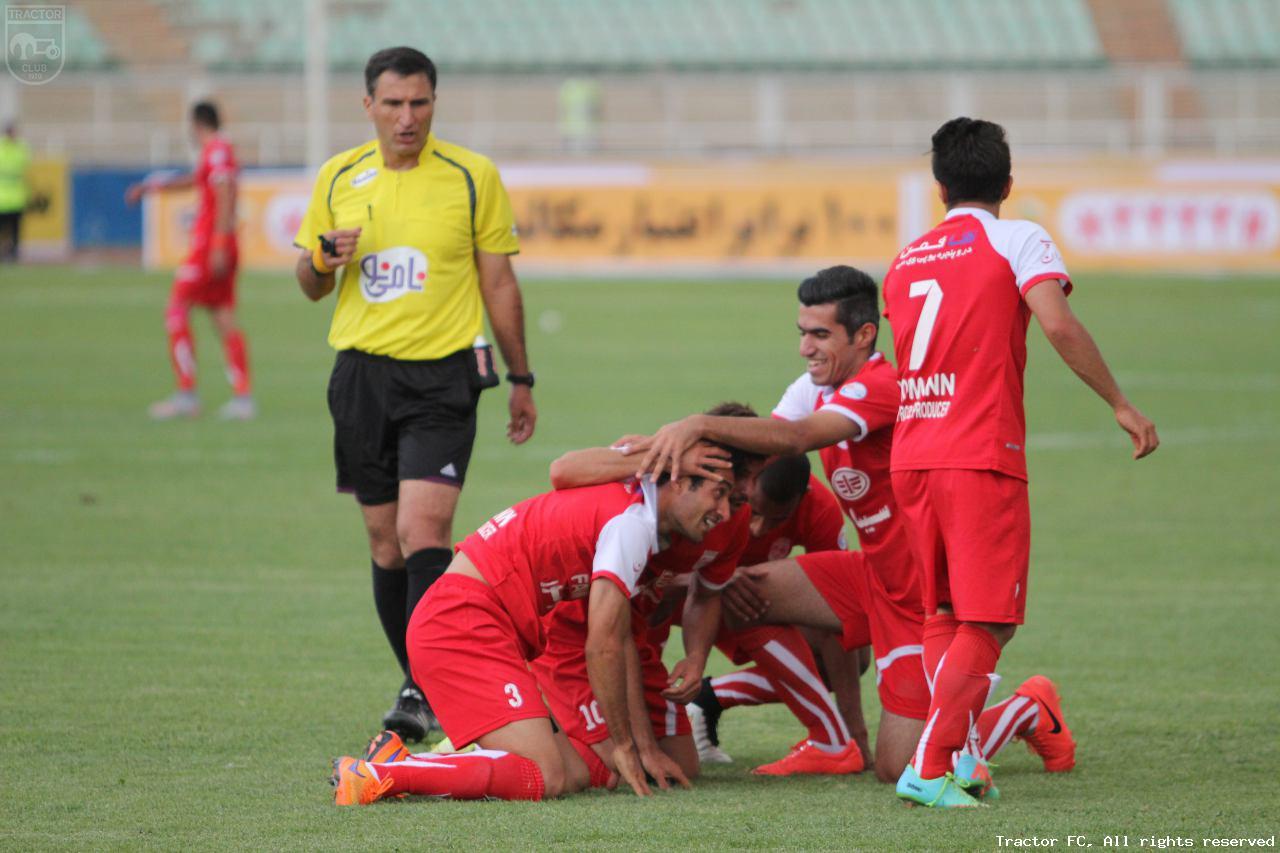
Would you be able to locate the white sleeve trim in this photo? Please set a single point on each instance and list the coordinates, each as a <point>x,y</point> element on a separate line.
<point>1027,247</point>
<point>853,416</point>
<point>799,400</point>
<point>624,545</point>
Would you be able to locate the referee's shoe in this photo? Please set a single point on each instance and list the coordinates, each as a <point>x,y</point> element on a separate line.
<point>411,718</point>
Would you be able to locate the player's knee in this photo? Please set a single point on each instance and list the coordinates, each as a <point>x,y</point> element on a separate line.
<point>423,533</point>
<point>576,778</point>
<point>385,550</point>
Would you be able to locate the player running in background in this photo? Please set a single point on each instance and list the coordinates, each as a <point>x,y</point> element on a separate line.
<point>959,300</point>
<point>472,635</point>
<point>208,275</point>
<point>844,406</point>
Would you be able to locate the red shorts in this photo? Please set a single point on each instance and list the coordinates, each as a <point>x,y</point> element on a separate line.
<point>194,282</point>
<point>562,673</point>
<point>856,594</point>
<point>466,656</point>
<point>971,535</point>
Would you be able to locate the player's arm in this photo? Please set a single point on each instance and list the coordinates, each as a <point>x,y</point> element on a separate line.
<point>594,466</point>
<point>1077,348</point>
<point>224,223</point>
<point>505,307</point>
<point>135,192</point>
<point>767,436</point>
<point>656,763</point>
<point>700,625</point>
<point>608,632</point>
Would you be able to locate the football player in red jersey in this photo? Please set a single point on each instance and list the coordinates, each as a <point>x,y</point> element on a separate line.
<point>208,275</point>
<point>472,635</point>
<point>844,406</point>
<point>959,300</point>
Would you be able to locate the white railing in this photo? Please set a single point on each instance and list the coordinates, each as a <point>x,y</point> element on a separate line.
<point>1120,112</point>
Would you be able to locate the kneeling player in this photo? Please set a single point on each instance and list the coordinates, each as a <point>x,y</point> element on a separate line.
<point>472,635</point>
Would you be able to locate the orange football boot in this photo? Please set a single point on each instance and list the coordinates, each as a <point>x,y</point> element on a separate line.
<point>807,758</point>
<point>1052,739</point>
<point>355,782</point>
<point>386,747</point>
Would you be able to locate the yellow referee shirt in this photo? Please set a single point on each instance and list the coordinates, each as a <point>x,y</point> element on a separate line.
<point>412,292</point>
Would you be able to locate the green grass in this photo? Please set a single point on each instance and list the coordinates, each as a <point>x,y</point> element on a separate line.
<point>186,635</point>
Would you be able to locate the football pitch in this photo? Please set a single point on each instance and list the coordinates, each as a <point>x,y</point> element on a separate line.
<point>187,636</point>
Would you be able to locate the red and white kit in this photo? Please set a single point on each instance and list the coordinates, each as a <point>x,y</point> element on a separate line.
<point>882,603</point>
<point>562,667</point>
<point>955,299</point>
<point>469,642</point>
<point>194,281</point>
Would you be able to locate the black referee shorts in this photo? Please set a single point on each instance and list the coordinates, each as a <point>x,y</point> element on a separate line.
<point>399,420</point>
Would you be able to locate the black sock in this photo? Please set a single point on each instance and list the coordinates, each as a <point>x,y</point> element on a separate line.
<point>706,698</point>
<point>424,568</point>
<point>390,589</point>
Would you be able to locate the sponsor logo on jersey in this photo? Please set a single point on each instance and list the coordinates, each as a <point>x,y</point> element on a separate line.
<point>869,522</point>
<point>387,275</point>
<point>854,391</point>
<point>925,252</point>
<point>492,526</point>
<point>937,385</point>
<point>363,178</point>
<point>850,483</point>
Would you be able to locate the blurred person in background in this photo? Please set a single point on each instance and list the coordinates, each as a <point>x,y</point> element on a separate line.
<point>208,275</point>
<point>15,157</point>
<point>415,234</point>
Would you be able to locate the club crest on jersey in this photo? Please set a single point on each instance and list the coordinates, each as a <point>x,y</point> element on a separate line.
<point>850,483</point>
<point>387,275</point>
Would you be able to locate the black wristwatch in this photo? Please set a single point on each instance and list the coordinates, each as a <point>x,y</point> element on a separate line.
<point>521,378</point>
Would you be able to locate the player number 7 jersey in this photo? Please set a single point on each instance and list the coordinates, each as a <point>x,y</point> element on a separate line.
<point>955,301</point>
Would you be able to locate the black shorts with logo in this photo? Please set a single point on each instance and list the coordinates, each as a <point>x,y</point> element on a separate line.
<point>399,420</point>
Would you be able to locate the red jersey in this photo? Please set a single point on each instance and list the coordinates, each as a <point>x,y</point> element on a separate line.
<point>217,164</point>
<point>816,525</point>
<point>549,548</point>
<point>955,301</point>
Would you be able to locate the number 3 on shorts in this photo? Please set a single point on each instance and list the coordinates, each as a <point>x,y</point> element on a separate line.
<point>514,699</point>
<point>932,293</point>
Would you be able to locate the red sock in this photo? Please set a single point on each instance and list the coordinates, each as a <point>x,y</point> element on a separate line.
<point>465,776</point>
<point>959,690</point>
<point>939,630</point>
<point>237,355</point>
<point>784,657</point>
<point>1002,722</point>
<point>744,687</point>
<point>595,765</point>
<point>182,353</point>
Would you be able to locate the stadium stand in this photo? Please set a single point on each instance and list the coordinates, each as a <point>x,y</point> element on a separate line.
<point>1229,33</point>
<point>621,35</point>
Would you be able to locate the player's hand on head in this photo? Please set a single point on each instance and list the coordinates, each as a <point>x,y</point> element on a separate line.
<point>524,415</point>
<point>1141,430</point>
<point>631,771</point>
<point>669,445</point>
<point>705,459</point>
<point>662,768</point>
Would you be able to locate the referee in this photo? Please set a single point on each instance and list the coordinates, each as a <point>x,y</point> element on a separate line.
<point>416,235</point>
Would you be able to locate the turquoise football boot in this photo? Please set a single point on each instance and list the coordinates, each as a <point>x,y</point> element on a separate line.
<point>941,793</point>
<point>974,775</point>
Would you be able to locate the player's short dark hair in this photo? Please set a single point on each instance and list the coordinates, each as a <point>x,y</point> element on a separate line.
<point>971,160</point>
<point>784,479</point>
<point>854,293</point>
<point>405,61</point>
<point>732,409</point>
<point>205,114</point>
<point>741,459</point>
